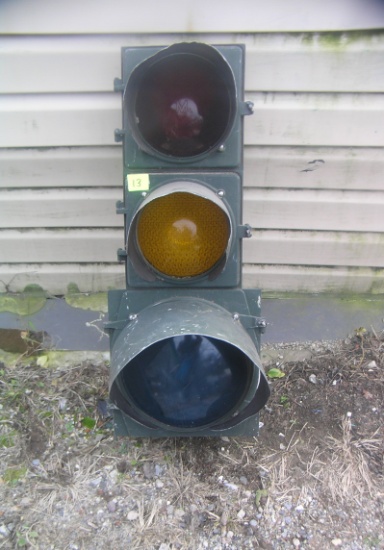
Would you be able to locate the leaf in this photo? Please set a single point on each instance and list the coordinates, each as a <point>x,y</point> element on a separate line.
<point>275,373</point>
<point>260,493</point>
<point>42,361</point>
<point>88,422</point>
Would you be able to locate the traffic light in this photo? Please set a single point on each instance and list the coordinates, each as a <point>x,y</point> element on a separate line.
<point>184,335</point>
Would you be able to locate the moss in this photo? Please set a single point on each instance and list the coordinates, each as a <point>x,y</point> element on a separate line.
<point>13,475</point>
<point>28,302</point>
<point>332,40</point>
<point>54,359</point>
<point>94,301</point>
<point>338,41</point>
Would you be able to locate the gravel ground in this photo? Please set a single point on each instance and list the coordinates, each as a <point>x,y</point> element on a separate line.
<point>312,479</point>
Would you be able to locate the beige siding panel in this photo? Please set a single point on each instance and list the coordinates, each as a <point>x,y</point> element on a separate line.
<point>316,119</point>
<point>61,167</point>
<point>314,210</point>
<point>100,277</point>
<point>189,16</point>
<point>59,64</point>
<point>60,208</point>
<point>315,248</point>
<point>60,245</point>
<point>343,168</point>
<point>59,120</point>
<point>272,278</point>
<point>266,247</point>
<point>264,209</point>
<point>316,63</point>
<point>279,119</point>
<point>360,169</point>
<point>345,62</point>
<point>312,279</point>
<point>55,277</point>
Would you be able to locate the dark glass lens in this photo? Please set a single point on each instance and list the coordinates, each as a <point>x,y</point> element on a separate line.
<point>187,381</point>
<point>183,104</point>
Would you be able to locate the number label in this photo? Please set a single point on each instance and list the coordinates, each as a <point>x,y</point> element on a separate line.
<point>138,182</point>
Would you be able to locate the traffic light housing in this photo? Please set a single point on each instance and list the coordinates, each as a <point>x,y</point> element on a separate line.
<point>184,335</point>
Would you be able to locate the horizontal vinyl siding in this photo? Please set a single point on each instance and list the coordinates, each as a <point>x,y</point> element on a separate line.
<point>263,209</point>
<point>186,16</point>
<point>314,160</point>
<point>266,247</point>
<point>349,168</point>
<point>282,63</point>
<point>289,119</point>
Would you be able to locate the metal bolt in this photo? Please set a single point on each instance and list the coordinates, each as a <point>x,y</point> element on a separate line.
<point>221,149</point>
<point>133,316</point>
<point>144,194</point>
<point>250,106</point>
<point>236,316</point>
<point>221,193</point>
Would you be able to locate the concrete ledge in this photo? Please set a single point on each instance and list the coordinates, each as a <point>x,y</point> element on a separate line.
<point>290,319</point>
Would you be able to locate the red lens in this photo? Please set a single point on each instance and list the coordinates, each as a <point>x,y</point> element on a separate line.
<point>183,100</point>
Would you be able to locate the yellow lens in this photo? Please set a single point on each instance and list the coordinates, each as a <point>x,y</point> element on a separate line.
<point>182,235</point>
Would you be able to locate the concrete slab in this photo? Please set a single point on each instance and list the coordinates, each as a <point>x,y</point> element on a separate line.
<point>290,319</point>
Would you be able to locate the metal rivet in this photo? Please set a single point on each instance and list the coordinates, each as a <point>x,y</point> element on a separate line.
<point>221,193</point>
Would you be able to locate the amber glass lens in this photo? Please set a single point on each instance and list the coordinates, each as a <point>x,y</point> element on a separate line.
<point>182,235</point>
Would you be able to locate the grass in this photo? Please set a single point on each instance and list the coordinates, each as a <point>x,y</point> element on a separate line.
<point>63,471</point>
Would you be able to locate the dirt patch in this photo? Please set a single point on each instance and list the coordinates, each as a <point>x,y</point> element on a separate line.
<point>313,478</point>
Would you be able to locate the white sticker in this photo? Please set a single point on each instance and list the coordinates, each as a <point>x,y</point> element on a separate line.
<point>138,182</point>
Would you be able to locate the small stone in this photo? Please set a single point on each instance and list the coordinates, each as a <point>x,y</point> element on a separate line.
<point>337,542</point>
<point>95,482</point>
<point>170,510</point>
<point>159,470</point>
<point>159,484</point>
<point>148,470</point>
<point>296,543</point>
<point>111,506</point>
<point>4,531</point>
<point>224,518</point>
<point>241,514</point>
<point>231,486</point>
<point>243,480</point>
<point>313,378</point>
<point>132,515</point>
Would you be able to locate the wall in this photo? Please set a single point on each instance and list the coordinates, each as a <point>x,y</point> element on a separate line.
<point>314,158</point>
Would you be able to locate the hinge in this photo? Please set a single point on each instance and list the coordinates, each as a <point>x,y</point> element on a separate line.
<point>120,323</point>
<point>121,254</point>
<point>251,321</point>
<point>246,108</point>
<point>244,231</point>
<point>120,208</point>
<point>119,135</point>
<point>118,85</point>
